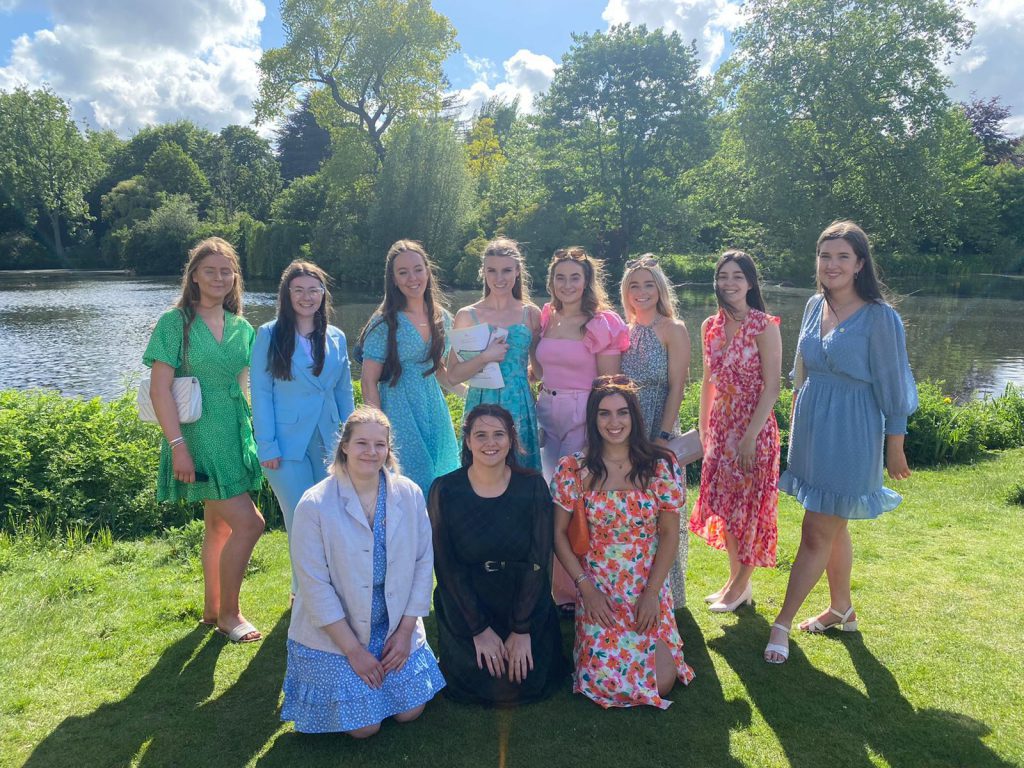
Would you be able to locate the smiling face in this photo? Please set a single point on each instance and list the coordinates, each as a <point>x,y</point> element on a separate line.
<point>569,281</point>
<point>500,273</point>
<point>214,276</point>
<point>642,291</point>
<point>732,285</point>
<point>410,274</point>
<point>838,265</point>
<point>488,441</point>
<point>366,450</point>
<point>306,294</point>
<point>614,423</point>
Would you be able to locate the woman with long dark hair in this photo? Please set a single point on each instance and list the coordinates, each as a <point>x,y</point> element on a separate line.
<point>498,635</point>
<point>737,508</point>
<point>404,344</point>
<point>301,387</point>
<point>212,460</point>
<point>853,393</point>
<point>627,651</point>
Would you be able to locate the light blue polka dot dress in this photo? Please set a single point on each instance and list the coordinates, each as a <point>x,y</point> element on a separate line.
<point>323,694</point>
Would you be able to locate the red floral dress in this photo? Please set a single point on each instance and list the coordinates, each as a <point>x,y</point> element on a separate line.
<point>615,666</point>
<point>744,503</point>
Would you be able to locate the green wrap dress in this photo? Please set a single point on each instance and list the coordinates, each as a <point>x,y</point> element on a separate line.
<point>221,441</point>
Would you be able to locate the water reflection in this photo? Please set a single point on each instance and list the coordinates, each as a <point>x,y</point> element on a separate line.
<point>85,335</point>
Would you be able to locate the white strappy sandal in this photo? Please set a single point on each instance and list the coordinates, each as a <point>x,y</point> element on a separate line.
<point>815,627</point>
<point>782,650</point>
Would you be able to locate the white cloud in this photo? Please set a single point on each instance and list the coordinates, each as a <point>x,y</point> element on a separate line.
<point>526,75</point>
<point>6,6</point>
<point>991,66</point>
<point>483,67</point>
<point>709,22</point>
<point>126,65</point>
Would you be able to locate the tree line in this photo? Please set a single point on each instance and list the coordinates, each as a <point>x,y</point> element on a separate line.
<point>824,109</point>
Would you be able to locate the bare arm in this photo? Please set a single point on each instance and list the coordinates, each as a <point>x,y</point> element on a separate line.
<point>707,395</point>
<point>677,344</point>
<point>536,371</point>
<point>370,380</point>
<point>462,370</point>
<point>160,381</point>
<point>597,605</point>
<point>609,365</point>
<point>769,348</point>
<point>648,604</point>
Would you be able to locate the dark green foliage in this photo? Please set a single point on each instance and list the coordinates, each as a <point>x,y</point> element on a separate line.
<point>171,171</point>
<point>1015,494</point>
<point>159,245</point>
<point>942,431</point>
<point>302,144</point>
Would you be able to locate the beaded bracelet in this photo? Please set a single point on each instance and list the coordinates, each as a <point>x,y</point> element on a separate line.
<point>580,579</point>
<point>176,442</point>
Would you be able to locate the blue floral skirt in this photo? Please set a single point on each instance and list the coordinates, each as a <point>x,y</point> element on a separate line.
<point>323,694</point>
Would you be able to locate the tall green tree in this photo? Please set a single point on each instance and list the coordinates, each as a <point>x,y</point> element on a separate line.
<point>249,176</point>
<point>839,105</point>
<point>302,143</point>
<point>373,61</point>
<point>171,171</point>
<point>625,115</point>
<point>46,164</point>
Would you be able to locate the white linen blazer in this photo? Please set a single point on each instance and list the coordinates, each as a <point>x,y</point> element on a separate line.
<point>332,551</point>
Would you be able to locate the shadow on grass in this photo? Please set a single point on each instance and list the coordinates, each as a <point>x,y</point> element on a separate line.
<point>821,719</point>
<point>169,718</point>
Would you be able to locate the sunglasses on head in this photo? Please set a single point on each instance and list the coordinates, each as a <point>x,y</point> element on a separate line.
<point>643,261</point>
<point>575,254</point>
<point>616,379</point>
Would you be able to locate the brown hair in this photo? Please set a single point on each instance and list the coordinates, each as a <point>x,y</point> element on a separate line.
<point>395,301</point>
<point>189,298</point>
<point>508,248</point>
<point>643,454</point>
<point>595,299</point>
<point>282,341</point>
<point>364,414</point>
<point>745,262</point>
<point>866,282</point>
<point>495,412</point>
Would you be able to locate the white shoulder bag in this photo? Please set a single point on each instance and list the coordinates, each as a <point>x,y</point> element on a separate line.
<point>187,397</point>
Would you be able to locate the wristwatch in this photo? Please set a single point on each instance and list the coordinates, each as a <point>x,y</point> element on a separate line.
<point>665,435</point>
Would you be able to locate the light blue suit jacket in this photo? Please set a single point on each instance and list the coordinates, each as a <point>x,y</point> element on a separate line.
<point>286,412</point>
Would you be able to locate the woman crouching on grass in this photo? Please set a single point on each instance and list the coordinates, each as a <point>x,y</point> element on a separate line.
<point>357,651</point>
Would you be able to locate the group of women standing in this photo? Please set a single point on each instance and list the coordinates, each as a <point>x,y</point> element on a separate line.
<point>366,534</point>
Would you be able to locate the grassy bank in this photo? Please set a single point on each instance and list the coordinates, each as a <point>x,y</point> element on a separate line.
<point>103,665</point>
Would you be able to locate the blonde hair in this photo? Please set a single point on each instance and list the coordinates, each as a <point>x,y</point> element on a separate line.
<point>364,414</point>
<point>508,248</point>
<point>666,298</point>
<point>189,297</point>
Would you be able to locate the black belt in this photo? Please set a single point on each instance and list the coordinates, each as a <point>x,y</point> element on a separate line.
<point>492,566</point>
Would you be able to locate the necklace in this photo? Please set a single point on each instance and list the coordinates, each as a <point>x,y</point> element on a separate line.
<point>619,463</point>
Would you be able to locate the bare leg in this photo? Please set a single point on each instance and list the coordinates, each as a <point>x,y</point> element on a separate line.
<point>246,526</point>
<point>216,535</point>
<point>739,574</point>
<point>816,538</point>
<point>838,570</point>
<point>365,732</point>
<point>410,714</point>
<point>664,668</point>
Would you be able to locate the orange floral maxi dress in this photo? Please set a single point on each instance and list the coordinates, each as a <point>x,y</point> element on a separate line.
<point>614,666</point>
<point>744,503</point>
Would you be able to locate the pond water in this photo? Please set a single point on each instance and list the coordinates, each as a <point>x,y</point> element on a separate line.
<point>84,334</point>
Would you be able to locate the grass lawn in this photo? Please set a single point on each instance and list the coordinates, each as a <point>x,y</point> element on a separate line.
<point>102,664</point>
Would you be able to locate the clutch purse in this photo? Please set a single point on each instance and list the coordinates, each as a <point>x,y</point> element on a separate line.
<point>579,531</point>
<point>687,447</point>
<point>187,397</point>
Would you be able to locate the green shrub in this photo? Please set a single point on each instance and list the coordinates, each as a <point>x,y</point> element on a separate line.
<point>1015,494</point>
<point>941,431</point>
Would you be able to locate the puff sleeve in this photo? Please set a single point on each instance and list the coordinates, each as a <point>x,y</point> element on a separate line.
<point>606,334</point>
<point>892,381</point>
<point>565,488</point>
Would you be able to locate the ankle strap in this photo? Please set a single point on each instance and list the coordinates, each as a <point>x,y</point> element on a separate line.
<point>842,616</point>
<point>776,625</point>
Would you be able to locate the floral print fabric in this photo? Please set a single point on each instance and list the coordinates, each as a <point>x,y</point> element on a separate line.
<point>614,666</point>
<point>743,502</point>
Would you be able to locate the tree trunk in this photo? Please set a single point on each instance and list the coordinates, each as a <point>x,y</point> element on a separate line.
<point>58,242</point>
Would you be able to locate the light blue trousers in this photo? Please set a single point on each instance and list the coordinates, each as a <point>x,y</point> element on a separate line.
<point>293,478</point>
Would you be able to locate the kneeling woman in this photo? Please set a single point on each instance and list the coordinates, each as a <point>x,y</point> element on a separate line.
<point>628,650</point>
<point>357,652</point>
<point>497,625</point>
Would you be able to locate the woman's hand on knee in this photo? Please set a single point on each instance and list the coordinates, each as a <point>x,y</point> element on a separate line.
<point>490,652</point>
<point>365,665</point>
<point>520,656</point>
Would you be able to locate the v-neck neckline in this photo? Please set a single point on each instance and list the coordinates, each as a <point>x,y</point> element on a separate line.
<point>209,330</point>
<point>417,330</point>
<point>837,326</point>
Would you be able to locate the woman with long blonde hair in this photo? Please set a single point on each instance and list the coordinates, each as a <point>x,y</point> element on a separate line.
<point>214,459</point>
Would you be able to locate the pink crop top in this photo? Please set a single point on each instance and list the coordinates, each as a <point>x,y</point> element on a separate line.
<point>572,363</point>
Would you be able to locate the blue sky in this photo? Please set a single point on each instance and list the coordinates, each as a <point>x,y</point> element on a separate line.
<point>124,64</point>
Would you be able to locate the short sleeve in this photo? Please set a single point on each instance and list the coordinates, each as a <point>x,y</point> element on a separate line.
<point>375,344</point>
<point>250,337</point>
<point>669,486</point>
<point>606,334</point>
<point>892,381</point>
<point>165,343</point>
<point>759,322</point>
<point>565,488</point>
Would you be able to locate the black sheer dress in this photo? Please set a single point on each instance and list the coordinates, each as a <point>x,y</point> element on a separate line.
<point>492,558</point>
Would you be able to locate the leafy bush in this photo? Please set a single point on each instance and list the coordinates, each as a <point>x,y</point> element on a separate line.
<point>942,431</point>
<point>1015,494</point>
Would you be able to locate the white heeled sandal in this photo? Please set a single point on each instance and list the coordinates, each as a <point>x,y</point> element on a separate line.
<point>782,650</point>
<point>815,627</point>
<point>714,597</point>
<point>745,599</point>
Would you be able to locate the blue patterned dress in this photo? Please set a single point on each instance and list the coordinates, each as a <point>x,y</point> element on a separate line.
<point>516,397</point>
<point>858,389</point>
<point>422,426</point>
<point>323,694</point>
